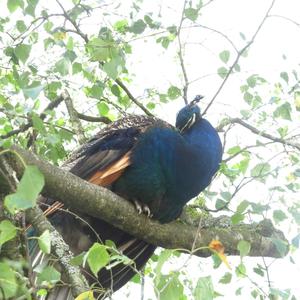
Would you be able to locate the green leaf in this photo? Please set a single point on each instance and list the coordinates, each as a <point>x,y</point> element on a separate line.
<point>279,216</point>
<point>138,27</point>
<point>224,56</point>
<point>7,231</point>
<point>226,195</point>
<point>244,248</point>
<point>204,289</point>
<point>97,258</point>
<point>220,204</point>
<point>48,26</point>
<point>121,26</point>
<point>21,26</point>
<point>38,123</point>
<point>240,270</point>
<point>8,283</point>
<point>32,91</point>
<point>283,111</point>
<point>44,241</point>
<point>226,278</point>
<point>281,246</point>
<point>12,5</point>
<point>259,271</point>
<point>27,192</point>
<point>103,108</point>
<point>285,76</point>
<point>101,50</point>
<point>237,218</point>
<point>76,68</point>
<point>30,9</point>
<point>62,67</point>
<point>234,150</point>
<point>22,52</point>
<point>260,170</point>
<point>169,287</point>
<point>222,72</point>
<point>242,206</point>
<point>173,92</point>
<point>113,67</point>
<point>252,80</point>
<point>96,91</point>
<point>48,275</point>
<point>115,90</point>
<point>78,260</point>
<point>191,13</point>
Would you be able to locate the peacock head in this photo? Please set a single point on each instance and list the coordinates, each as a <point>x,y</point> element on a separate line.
<point>188,115</point>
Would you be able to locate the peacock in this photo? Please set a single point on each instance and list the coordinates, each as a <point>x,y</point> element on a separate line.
<point>147,161</point>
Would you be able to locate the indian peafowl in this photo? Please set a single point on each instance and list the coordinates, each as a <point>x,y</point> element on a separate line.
<point>149,162</point>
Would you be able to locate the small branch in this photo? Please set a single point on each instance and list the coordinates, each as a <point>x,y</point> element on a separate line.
<point>244,150</point>
<point>78,31</point>
<point>220,33</point>
<point>240,53</point>
<point>180,54</point>
<point>101,203</point>
<point>258,132</point>
<point>132,98</point>
<point>74,118</point>
<point>285,18</point>
<point>104,120</point>
<point>42,116</point>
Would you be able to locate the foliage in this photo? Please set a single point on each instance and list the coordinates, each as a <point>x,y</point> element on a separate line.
<point>50,48</point>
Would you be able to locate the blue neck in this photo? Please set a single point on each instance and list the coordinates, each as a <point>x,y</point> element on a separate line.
<point>200,158</point>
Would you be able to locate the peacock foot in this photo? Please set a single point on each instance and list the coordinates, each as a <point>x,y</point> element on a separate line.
<point>142,208</point>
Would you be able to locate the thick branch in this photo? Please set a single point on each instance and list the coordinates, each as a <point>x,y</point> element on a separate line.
<point>36,218</point>
<point>100,202</point>
<point>60,249</point>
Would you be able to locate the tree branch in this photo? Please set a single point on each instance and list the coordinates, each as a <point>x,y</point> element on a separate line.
<point>240,53</point>
<point>180,54</point>
<point>60,249</point>
<point>42,116</point>
<point>258,132</point>
<point>100,202</point>
<point>74,118</point>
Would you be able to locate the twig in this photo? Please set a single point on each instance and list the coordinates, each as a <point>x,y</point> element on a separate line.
<point>42,116</point>
<point>244,150</point>
<point>104,120</point>
<point>74,118</point>
<point>285,18</point>
<point>218,32</point>
<point>180,54</point>
<point>78,31</point>
<point>132,98</point>
<point>258,132</point>
<point>240,53</point>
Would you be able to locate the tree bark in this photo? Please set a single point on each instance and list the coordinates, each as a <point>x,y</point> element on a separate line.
<point>102,203</point>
